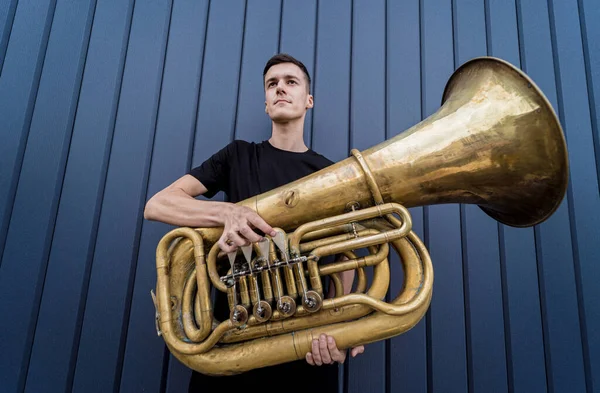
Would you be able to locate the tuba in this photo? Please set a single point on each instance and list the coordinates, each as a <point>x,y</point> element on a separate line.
<point>495,142</point>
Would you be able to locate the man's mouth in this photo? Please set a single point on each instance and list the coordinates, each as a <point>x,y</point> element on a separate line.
<point>278,101</point>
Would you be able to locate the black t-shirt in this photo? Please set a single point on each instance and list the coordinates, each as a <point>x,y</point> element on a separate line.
<point>242,170</point>
<point>245,169</point>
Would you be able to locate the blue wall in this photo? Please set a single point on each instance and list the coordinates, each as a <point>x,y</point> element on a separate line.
<point>105,102</point>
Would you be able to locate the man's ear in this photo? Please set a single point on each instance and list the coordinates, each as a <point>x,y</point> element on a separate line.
<point>266,109</point>
<point>310,103</point>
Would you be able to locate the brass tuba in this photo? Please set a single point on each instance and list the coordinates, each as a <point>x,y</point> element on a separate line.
<point>495,142</point>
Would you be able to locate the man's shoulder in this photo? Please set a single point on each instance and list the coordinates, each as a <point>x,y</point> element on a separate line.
<point>321,159</point>
<point>249,144</point>
<point>236,146</point>
<point>240,143</point>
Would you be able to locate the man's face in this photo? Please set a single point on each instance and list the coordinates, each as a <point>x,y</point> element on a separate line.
<point>286,93</point>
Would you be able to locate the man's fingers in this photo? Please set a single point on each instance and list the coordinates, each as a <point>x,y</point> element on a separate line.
<point>325,356</point>
<point>227,249</point>
<point>357,350</point>
<point>309,359</point>
<point>259,223</point>
<point>316,353</point>
<point>230,240</point>
<point>336,354</point>
<point>249,234</point>
<point>235,238</point>
<point>226,246</point>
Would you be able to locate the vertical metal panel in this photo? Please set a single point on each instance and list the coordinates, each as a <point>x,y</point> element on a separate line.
<point>61,310</point>
<point>298,30</point>
<point>442,224</point>
<point>261,40</point>
<point>80,252</point>
<point>562,337</point>
<point>589,14</point>
<point>220,80</point>
<point>486,361</point>
<point>522,313</point>
<point>332,80</point>
<point>106,314</point>
<point>574,111</point>
<point>217,107</point>
<point>143,361</point>
<point>331,111</point>
<point>403,99</point>
<point>523,319</point>
<point>178,378</point>
<point>501,30</point>
<point>29,235</point>
<point>7,17</point>
<point>18,88</point>
<point>367,128</point>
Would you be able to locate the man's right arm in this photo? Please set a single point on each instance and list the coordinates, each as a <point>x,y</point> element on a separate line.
<point>177,205</point>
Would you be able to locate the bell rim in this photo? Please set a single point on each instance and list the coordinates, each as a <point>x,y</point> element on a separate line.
<point>530,220</point>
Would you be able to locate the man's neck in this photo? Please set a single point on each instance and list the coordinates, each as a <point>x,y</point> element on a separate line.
<point>289,136</point>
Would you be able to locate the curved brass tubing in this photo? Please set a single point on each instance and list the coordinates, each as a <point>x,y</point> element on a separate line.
<point>350,319</point>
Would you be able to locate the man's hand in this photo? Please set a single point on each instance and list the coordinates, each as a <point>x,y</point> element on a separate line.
<point>325,351</point>
<point>239,225</point>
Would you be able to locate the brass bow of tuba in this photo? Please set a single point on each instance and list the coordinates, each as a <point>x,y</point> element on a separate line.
<point>495,142</point>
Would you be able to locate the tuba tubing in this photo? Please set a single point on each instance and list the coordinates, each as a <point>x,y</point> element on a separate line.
<point>393,319</point>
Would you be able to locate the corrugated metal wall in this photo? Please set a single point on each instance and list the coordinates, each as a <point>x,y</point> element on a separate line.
<point>104,102</point>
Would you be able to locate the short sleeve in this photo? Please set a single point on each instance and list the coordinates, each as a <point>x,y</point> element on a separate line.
<point>214,172</point>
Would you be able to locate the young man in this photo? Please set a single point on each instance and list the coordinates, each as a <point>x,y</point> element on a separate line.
<point>241,170</point>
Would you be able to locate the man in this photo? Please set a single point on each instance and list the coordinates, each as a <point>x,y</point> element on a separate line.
<point>241,170</point>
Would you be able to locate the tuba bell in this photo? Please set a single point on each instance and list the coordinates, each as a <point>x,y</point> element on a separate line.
<point>495,142</point>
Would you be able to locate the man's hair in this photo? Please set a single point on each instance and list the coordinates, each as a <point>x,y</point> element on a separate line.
<point>285,58</point>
